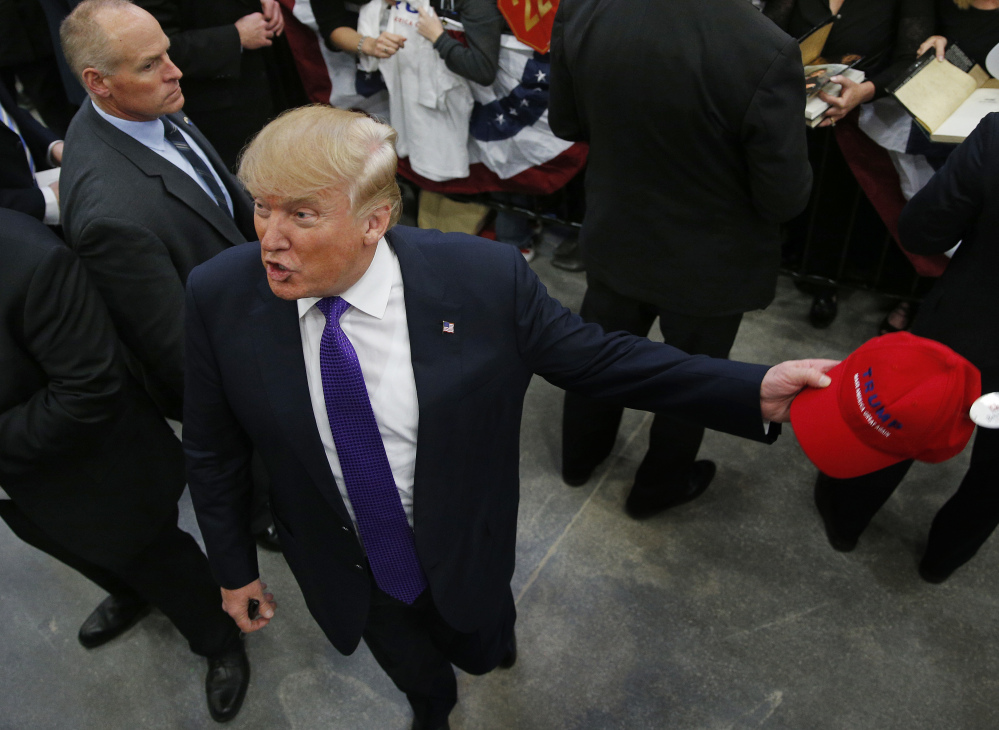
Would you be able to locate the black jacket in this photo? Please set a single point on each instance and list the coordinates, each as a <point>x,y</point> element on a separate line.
<point>958,204</point>
<point>694,114</point>
<point>140,224</point>
<point>83,451</point>
<point>18,189</point>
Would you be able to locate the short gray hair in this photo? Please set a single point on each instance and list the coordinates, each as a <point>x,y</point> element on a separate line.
<point>85,42</point>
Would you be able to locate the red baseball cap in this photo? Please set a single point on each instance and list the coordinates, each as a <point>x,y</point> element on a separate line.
<point>895,397</point>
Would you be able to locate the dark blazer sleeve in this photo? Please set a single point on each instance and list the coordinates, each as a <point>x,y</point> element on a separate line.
<point>28,200</point>
<point>67,332</point>
<point>634,371</point>
<point>37,136</point>
<point>773,135</point>
<point>218,455</point>
<point>131,267</point>
<point>563,115</point>
<point>18,190</point>
<point>943,211</point>
<point>201,53</point>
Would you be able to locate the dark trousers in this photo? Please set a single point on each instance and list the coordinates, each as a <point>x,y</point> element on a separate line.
<point>589,426</point>
<point>959,529</point>
<point>416,648</point>
<point>171,573</point>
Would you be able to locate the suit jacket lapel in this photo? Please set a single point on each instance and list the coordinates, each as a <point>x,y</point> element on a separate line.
<point>278,344</point>
<point>436,357</point>
<point>175,180</point>
<point>241,204</point>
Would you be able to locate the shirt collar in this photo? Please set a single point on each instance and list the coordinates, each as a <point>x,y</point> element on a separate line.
<point>148,134</point>
<point>370,293</point>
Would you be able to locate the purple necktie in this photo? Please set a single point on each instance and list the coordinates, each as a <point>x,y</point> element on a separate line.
<point>371,487</point>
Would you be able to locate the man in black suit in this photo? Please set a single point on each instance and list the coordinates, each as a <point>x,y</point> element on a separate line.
<point>25,148</point>
<point>92,470</point>
<point>381,374</point>
<point>238,69</point>
<point>956,207</point>
<point>692,109</point>
<point>139,209</point>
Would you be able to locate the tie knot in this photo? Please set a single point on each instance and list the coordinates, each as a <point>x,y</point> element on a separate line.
<point>332,307</point>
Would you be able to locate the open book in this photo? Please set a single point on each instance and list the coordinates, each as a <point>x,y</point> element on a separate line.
<point>947,98</point>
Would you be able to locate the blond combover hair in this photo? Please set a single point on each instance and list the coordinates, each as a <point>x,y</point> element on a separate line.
<point>313,148</point>
<point>963,4</point>
<point>85,42</point>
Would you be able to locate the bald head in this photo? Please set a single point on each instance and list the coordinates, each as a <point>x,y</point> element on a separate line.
<point>119,53</point>
<point>85,38</point>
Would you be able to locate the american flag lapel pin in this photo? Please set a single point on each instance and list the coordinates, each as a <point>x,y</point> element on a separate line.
<point>448,327</point>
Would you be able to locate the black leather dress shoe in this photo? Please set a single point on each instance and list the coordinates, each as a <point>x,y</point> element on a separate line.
<point>226,682</point>
<point>934,575</point>
<point>823,311</point>
<point>268,539</point>
<point>576,479</point>
<point>840,542</point>
<point>114,616</point>
<point>510,658</point>
<point>645,502</point>
<point>420,725</point>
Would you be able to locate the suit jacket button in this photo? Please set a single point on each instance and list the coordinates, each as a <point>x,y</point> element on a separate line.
<point>359,567</point>
<point>346,529</point>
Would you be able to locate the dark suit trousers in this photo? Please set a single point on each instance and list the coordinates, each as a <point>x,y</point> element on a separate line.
<point>171,573</point>
<point>959,529</point>
<point>589,426</point>
<point>416,648</point>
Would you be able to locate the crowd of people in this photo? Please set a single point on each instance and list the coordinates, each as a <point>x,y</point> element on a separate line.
<point>350,389</point>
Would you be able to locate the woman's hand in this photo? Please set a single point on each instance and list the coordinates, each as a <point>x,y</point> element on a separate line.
<point>851,95</point>
<point>429,25</point>
<point>385,45</point>
<point>273,16</point>
<point>934,41</point>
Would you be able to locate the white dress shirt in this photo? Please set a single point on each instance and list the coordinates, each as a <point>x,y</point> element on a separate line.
<point>377,327</point>
<point>150,134</point>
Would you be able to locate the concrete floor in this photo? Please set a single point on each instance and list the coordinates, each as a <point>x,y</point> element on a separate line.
<point>728,613</point>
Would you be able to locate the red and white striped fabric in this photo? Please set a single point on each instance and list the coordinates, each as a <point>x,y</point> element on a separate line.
<point>511,146</point>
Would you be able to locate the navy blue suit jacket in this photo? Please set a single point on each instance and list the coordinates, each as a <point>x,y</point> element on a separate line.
<point>247,387</point>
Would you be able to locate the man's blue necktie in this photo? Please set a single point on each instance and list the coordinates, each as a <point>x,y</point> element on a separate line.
<point>175,138</point>
<point>381,519</point>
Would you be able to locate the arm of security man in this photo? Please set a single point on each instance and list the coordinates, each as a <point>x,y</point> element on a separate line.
<point>236,603</point>
<point>784,381</point>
